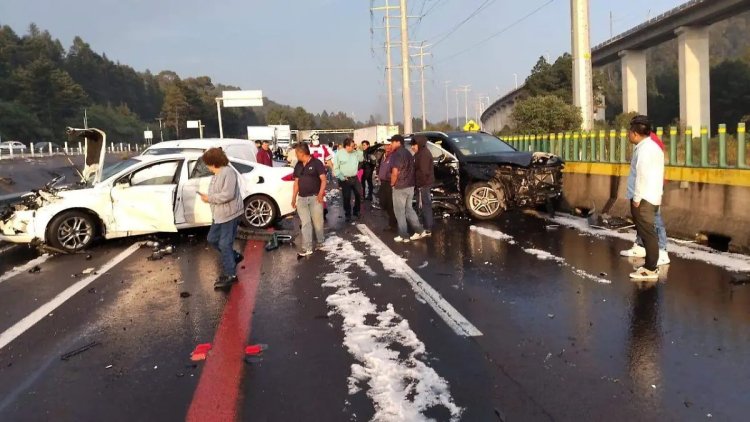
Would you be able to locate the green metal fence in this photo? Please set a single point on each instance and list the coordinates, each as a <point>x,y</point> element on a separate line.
<point>683,149</point>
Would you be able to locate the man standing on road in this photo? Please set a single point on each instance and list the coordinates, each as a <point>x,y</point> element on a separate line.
<point>645,190</point>
<point>425,178</point>
<point>385,191</point>
<point>402,182</point>
<point>368,168</point>
<point>345,167</point>
<point>309,196</point>
<point>265,156</point>
<point>638,251</point>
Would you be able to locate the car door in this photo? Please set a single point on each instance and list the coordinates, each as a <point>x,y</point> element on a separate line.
<point>446,168</point>
<point>196,212</point>
<point>144,200</point>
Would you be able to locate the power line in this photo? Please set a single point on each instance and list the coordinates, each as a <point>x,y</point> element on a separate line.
<point>477,11</point>
<point>498,33</point>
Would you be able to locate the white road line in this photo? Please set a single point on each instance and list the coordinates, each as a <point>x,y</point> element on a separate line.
<point>447,312</point>
<point>29,321</point>
<point>25,267</point>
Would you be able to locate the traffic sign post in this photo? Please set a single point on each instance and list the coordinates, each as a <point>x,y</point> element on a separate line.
<point>196,124</point>
<point>148,136</point>
<point>237,99</point>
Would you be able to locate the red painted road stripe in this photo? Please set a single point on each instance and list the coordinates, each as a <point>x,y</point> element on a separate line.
<point>217,394</point>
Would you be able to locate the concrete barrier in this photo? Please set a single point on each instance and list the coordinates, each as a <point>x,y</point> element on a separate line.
<point>696,201</point>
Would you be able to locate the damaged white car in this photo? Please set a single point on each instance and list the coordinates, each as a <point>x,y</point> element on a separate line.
<point>140,195</point>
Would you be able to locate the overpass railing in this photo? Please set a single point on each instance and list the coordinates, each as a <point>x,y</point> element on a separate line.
<point>682,149</point>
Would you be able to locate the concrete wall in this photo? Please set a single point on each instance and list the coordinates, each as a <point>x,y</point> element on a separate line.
<point>689,208</point>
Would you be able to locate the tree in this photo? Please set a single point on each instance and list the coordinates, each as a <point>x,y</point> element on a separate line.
<point>546,114</point>
<point>175,108</point>
<point>556,79</point>
<point>730,92</point>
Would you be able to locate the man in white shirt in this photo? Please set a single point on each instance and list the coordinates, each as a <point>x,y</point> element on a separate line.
<point>645,190</point>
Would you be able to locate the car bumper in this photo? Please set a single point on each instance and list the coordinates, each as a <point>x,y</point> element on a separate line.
<point>18,238</point>
<point>19,228</point>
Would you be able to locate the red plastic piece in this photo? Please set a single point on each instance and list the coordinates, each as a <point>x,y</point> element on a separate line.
<point>253,350</point>
<point>200,352</point>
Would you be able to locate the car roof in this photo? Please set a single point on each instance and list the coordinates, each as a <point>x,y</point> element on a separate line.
<point>150,158</point>
<point>198,143</point>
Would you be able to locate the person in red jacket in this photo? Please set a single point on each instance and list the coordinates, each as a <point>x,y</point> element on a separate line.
<point>265,156</point>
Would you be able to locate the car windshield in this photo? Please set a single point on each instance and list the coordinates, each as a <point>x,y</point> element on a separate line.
<point>471,144</point>
<point>114,168</point>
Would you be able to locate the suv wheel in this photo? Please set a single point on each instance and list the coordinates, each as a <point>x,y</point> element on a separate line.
<point>484,202</point>
<point>71,231</point>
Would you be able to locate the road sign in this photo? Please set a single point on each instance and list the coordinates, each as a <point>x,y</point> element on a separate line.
<point>471,126</point>
<point>147,134</point>
<point>193,124</point>
<point>242,98</point>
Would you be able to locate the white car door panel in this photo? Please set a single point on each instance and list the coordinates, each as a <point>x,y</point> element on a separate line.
<point>144,201</point>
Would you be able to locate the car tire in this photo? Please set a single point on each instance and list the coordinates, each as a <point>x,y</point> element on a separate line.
<point>260,212</point>
<point>72,231</point>
<point>484,202</point>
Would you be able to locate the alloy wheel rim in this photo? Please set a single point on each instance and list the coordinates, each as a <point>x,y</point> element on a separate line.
<point>258,213</point>
<point>484,201</point>
<point>75,233</point>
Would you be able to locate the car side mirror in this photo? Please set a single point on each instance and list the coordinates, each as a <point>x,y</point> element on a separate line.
<point>122,183</point>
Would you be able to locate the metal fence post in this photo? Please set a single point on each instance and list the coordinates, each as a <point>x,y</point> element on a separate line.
<point>723,146</point>
<point>689,147</point>
<point>673,146</point>
<point>576,146</point>
<point>566,147</point>
<point>612,146</point>
<point>704,147</point>
<point>741,150</point>
<point>551,143</point>
<point>623,146</point>
<point>584,146</point>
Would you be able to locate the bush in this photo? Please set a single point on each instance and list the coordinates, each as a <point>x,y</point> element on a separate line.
<point>546,114</point>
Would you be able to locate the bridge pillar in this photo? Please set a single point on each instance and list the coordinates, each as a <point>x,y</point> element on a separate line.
<point>634,81</point>
<point>695,81</point>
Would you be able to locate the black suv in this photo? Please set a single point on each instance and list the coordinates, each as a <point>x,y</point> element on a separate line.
<point>480,174</point>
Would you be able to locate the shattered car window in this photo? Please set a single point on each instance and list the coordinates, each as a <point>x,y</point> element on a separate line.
<point>470,144</point>
<point>198,169</point>
<point>113,169</point>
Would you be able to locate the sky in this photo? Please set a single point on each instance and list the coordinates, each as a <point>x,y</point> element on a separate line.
<point>321,54</point>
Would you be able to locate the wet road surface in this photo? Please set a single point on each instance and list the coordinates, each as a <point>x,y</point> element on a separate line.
<point>353,335</point>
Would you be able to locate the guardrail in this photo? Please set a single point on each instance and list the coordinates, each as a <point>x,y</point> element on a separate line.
<point>67,149</point>
<point>683,149</point>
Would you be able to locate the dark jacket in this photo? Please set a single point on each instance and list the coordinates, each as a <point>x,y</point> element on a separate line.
<point>404,162</point>
<point>264,157</point>
<point>424,169</point>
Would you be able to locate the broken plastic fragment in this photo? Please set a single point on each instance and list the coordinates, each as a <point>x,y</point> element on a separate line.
<point>88,270</point>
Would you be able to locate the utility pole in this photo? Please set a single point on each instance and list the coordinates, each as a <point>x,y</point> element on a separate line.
<point>465,89</point>
<point>218,113</point>
<point>583,91</point>
<point>447,107</point>
<point>515,79</point>
<point>161,131</point>
<point>388,65</point>
<point>421,55</point>
<point>457,91</point>
<point>406,82</point>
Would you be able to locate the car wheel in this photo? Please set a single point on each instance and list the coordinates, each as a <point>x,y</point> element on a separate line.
<point>71,231</point>
<point>260,212</point>
<point>484,202</point>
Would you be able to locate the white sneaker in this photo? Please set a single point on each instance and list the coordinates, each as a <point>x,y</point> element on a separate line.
<point>305,253</point>
<point>400,239</point>
<point>634,252</point>
<point>417,236</point>
<point>663,258</point>
<point>642,274</point>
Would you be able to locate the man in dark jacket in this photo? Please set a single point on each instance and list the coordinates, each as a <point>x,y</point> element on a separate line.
<point>265,156</point>
<point>385,192</point>
<point>425,178</point>
<point>402,182</point>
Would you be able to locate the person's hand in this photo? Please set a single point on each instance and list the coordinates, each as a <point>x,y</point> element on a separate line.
<point>637,204</point>
<point>321,198</point>
<point>203,196</point>
<point>294,203</point>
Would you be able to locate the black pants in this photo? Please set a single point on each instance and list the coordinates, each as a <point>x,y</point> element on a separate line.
<point>349,185</point>
<point>644,217</point>
<point>367,181</point>
<point>385,195</point>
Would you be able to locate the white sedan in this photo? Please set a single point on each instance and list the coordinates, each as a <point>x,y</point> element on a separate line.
<point>12,146</point>
<point>140,195</point>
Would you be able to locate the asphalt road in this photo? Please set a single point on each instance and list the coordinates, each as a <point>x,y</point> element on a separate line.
<point>509,320</point>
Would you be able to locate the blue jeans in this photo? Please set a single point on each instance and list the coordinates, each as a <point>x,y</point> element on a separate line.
<point>425,205</point>
<point>661,231</point>
<point>402,207</point>
<point>221,236</point>
<point>310,213</point>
